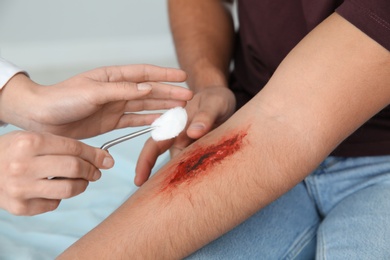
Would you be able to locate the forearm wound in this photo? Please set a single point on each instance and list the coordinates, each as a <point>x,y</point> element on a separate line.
<point>200,159</point>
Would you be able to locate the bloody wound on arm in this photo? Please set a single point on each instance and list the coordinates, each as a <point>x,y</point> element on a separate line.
<point>200,159</point>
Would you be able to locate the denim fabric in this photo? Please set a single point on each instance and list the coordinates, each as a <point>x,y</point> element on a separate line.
<point>340,211</point>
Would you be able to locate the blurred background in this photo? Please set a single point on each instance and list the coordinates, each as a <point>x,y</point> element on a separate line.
<point>54,40</point>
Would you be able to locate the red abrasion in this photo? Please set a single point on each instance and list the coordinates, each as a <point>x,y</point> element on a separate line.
<point>201,159</point>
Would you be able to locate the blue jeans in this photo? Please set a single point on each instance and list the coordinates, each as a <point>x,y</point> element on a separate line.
<point>340,211</point>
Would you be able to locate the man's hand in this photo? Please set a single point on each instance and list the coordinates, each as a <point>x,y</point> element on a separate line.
<point>209,108</point>
<point>38,170</point>
<point>93,102</point>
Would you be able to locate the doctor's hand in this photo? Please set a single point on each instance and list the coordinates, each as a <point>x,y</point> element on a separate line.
<point>208,109</point>
<point>38,170</point>
<point>93,102</point>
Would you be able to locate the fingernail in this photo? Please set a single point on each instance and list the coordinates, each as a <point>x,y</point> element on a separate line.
<point>197,126</point>
<point>96,175</point>
<point>136,181</point>
<point>108,162</point>
<point>144,86</point>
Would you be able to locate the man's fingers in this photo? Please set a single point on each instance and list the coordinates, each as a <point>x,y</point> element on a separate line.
<point>208,109</point>
<point>180,143</point>
<point>202,122</point>
<point>147,159</point>
<point>175,150</point>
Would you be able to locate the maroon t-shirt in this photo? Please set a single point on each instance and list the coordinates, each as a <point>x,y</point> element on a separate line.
<point>269,29</point>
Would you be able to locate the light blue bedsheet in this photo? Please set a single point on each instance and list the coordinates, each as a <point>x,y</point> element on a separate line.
<point>47,235</point>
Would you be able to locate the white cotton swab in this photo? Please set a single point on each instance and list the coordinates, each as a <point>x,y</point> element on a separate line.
<point>170,124</point>
<point>167,126</point>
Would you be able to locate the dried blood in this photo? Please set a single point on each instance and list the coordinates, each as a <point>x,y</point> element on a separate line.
<point>200,159</point>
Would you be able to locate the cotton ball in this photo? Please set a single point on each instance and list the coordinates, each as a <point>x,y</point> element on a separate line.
<point>170,124</point>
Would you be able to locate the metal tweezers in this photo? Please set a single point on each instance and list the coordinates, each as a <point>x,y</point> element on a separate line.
<point>125,138</point>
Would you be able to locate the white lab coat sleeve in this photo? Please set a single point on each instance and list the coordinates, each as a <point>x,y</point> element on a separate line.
<point>7,71</point>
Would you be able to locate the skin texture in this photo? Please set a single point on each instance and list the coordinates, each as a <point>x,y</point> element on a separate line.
<point>28,159</point>
<point>331,83</point>
<point>86,105</point>
<point>204,52</point>
<point>94,102</point>
<point>200,161</point>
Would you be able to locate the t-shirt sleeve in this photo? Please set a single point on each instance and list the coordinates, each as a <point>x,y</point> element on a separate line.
<point>371,16</point>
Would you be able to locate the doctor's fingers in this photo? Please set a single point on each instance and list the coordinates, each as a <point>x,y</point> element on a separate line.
<point>152,104</point>
<point>132,119</point>
<point>40,144</point>
<point>63,166</point>
<point>39,179</point>
<point>141,119</point>
<point>168,91</point>
<point>58,188</point>
<point>121,91</point>
<point>31,207</point>
<point>139,73</point>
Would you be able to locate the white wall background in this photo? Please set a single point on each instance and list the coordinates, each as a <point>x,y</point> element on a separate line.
<point>54,40</point>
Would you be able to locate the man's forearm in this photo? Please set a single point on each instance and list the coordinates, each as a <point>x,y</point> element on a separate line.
<point>329,85</point>
<point>203,34</point>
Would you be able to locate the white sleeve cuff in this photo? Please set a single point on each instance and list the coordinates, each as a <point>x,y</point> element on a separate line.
<point>7,71</point>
